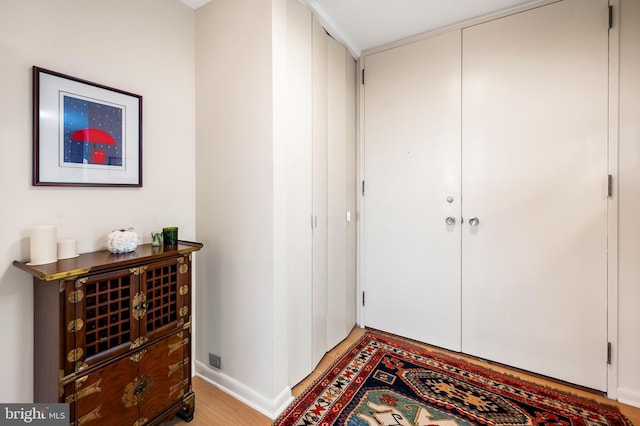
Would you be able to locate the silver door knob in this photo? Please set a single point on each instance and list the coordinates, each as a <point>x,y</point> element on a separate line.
<point>451,220</point>
<point>474,221</point>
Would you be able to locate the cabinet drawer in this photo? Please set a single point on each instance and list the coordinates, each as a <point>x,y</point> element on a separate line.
<point>167,363</point>
<point>136,388</point>
<point>98,397</point>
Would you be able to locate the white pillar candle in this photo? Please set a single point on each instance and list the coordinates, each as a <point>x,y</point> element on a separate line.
<point>67,248</point>
<point>43,244</point>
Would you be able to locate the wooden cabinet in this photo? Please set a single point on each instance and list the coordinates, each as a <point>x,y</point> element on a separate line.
<point>113,335</point>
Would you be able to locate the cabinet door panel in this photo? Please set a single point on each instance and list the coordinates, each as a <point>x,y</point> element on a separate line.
<point>411,266</point>
<point>105,325</point>
<point>534,173</point>
<point>161,284</point>
<point>103,398</point>
<point>166,363</point>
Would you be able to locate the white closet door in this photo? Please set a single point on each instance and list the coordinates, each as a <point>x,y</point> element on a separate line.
<point>319,219</point>
<point>411,257</point>
<point>534,281</point>
<point>338,121</point>
<point>341,189</point>
<point>299,185</point>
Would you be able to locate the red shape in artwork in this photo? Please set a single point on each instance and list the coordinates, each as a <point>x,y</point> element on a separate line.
<point>98,156</point>
<point>93,136</point>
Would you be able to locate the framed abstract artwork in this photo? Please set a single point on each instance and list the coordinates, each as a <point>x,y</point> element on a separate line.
<point>84,134</point>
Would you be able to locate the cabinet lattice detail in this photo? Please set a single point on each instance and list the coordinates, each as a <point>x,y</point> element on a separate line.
<point>107,314</point>
<point>162,296</point>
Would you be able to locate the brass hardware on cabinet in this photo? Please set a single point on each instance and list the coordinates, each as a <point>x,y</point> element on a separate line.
<point>190,400</point>
<point>79,367</point>
<point>175,346</point>
<point>181,260</point>
<point>140,422</point>
<point>75,325</point>
<point>80,282</point>
<point>179,387</point>
<point>184,289</point>
<point>177,366</point>
<point>139,342</point>
<point>89,390</point>
<point>140,305</point>
<point>75,354</point>
<point>184,311</point>
<point>180,323</point>
<point>184,268</point>
<point>73,377</point>
<point>139,270</point>
<point>137,390</point>
<point>75,296</point>
<point>93,415</point>
<point>138,356</point>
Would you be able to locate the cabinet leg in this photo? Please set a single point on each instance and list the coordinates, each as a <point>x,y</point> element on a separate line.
<point>185,414</point>
<point>188,409</point>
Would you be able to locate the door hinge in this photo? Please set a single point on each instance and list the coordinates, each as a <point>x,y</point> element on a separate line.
<point>610,186</point>
<point>362,187</point>
<point>610,17</point>
<point>363,298</point>
<point>363,72</point>
<point>609,353</point>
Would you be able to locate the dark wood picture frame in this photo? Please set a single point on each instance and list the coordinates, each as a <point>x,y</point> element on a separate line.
<point>84,133</point>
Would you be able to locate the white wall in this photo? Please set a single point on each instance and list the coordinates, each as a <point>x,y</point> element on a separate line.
<point>143,46</point>
<point>629,196</point>
<point>241,206</point>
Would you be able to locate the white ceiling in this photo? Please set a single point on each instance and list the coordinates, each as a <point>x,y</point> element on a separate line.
<point>196,3</point>
<point>364,24</point>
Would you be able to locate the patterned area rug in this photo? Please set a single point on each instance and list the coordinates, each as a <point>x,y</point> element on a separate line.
<point>383,380</point>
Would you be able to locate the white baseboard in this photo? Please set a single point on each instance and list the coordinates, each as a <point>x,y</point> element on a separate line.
<point>269,407</point>
<point>629,397</point>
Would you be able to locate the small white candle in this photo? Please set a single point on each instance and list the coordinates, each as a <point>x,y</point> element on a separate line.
<point>43,244</point>
<point>67,248</point>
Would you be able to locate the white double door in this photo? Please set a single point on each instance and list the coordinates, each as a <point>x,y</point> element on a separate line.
<point>502,128</point>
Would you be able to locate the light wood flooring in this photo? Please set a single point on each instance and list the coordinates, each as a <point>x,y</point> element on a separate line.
<point>216,408</point>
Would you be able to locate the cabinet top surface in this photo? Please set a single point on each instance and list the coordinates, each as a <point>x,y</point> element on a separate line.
<point>102,260</point>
